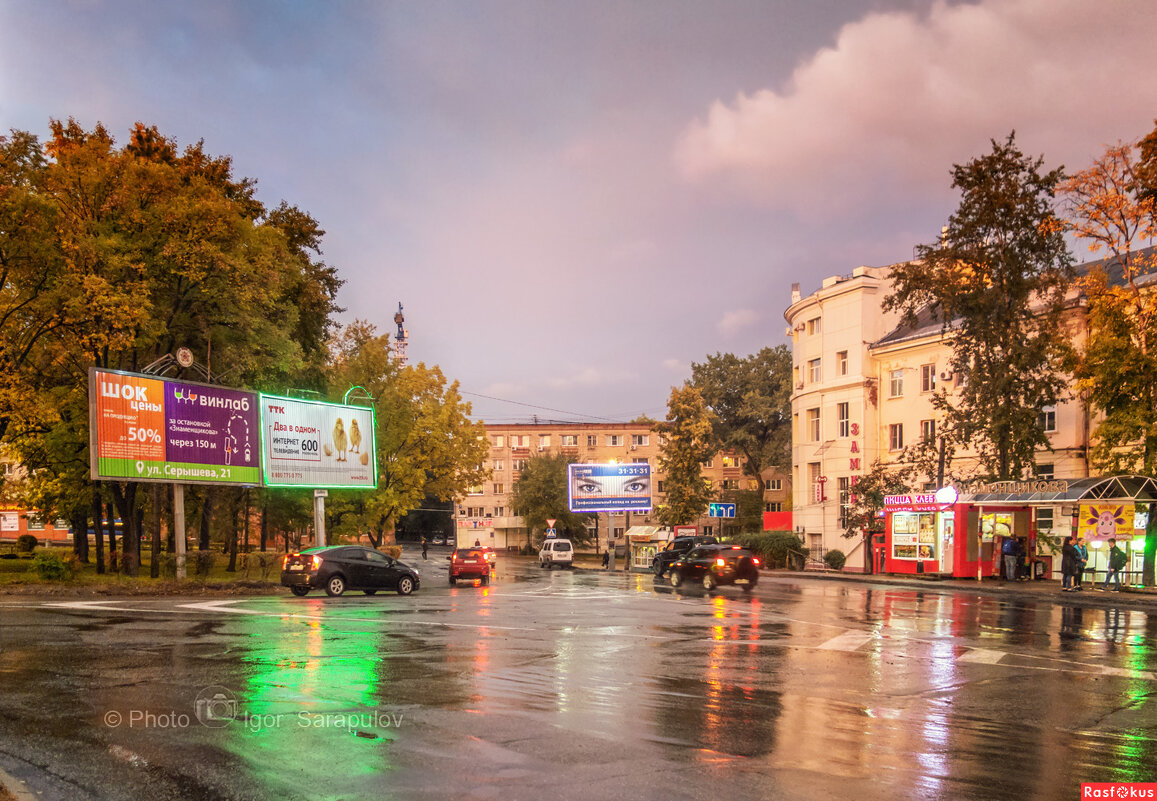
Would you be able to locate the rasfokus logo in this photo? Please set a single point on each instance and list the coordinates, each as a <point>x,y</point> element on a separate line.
<point>185,395</point>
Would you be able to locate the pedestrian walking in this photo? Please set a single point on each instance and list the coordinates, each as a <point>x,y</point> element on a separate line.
<point>606,559</point>
<point>1069,558</point>
<point>1117,561</point>
<point>1083,560</point>
<point>425,545</point>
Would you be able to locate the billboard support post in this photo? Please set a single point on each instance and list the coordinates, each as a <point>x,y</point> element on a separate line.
<point>179,528</point>
<point>319,517</point>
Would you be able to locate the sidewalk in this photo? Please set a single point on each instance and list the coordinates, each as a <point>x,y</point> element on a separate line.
<point>1137,597</point>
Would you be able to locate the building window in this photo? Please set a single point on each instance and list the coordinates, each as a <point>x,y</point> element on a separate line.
<point>474,491</point>
<point>570,440</point>
<point>544,440</point>
<point>845,500</point>
<point>1046,471</point>
<point>520,464</point>
<point>813,371</point>
<point>662,485</point>
<point>641,460</point>
<point>928,431</point>
<point>500,511</point>
<point>708,464</point>
<point>640,439</point>
<point>896,437</point>
<point>520,441</point>
<point>813,480</point>
<point>619,531</point>
<point>499,440</point>
<point>498,489</point>
<point>592,440</point>
<point>499,465</point>
<point>773,506</point>
<point>896,384</point>
<point>813,326</point>
<point>842,362</point>
<point>813,425</point>
<point>845,425</point>
<point>708,531</point>
<point>614,440</point>
<point>1048,419</point>
<point>730,484</point>
<point>773,484</point>
<point>1044,520</point>
<point>927,378</point>
<point>730,461</point>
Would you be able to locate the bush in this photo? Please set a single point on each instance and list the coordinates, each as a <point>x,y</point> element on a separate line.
<point>393,551</point>
<point>775,548</point>
<point>167,564</point>
<point>54,567</point>
<point>26,543</point>
<point>204,562</point>
<point>835,559</point>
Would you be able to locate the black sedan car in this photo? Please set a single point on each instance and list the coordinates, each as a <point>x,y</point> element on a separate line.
<point>713,565</point>
<point>346,567</point>
<point>675,549</point>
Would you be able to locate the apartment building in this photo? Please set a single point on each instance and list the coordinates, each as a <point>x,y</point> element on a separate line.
<point>863,392</point>
<point>487,514</point>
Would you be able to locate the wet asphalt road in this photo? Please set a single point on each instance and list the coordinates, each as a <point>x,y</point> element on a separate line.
<point>576,685</point>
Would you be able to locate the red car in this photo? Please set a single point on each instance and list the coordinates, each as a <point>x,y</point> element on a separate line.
<point>470,563</point>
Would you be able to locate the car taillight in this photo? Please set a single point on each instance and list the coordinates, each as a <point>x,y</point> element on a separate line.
<point>720,562</point>
<point>755,560</point>
<point>317,563</point>
<point>285,562</point>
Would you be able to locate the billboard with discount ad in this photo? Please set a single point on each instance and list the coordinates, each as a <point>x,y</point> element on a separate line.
<point>145,428</point>
<point>609,487</point>
<point>314,444</point>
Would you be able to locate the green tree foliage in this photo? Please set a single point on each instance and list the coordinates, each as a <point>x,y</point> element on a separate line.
<point>427,444</point>
<point>750,403</point>
<point>997,280</point>
<point>1112,210</point>
<point>867,500</point>
<point>687,443</point>
<point>540,494</point>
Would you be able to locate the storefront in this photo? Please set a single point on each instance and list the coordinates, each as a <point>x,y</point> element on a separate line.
<point>962,535</point>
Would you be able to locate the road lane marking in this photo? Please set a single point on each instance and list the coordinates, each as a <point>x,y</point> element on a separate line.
<point>848,641</point>
<point>220,606</point>
<point>983,656</point>
<point>1127,673</point>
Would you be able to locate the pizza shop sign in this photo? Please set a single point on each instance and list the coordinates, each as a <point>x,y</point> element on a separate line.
<point>922,501</point>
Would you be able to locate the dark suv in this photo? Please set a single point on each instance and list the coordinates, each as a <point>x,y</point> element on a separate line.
<point>676,548</point>
<point>712,565</point>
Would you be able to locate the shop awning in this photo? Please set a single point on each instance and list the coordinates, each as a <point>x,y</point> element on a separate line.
<point>1137,489</point>
<point>644,533</point>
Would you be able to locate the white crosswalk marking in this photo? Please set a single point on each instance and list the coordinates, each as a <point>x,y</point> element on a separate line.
<point>848,641</point>
<point>984,656</point>
<point>219,606</point>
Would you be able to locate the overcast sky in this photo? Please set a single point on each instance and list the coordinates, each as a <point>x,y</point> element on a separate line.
<point>574,201</point>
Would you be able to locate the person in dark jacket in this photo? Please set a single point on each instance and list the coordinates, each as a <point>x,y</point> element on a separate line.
<point>1009,551</point>
<point>1082,560</point>
<point>1070,557</point>
<point>1117,562</point>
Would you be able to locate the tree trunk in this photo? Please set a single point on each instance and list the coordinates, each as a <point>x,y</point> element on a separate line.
<point>125,495</point>
<point>264,526</point>
<point>245,542</point>
<point>113,564</point>
<point>98,530</point>
<point>80,535</point>
<point>206,515</point>
<point>231,540</point>
<point>154,558</point>
<point>171,533</point>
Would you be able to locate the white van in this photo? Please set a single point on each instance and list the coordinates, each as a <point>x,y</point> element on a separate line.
<point>556,552</point>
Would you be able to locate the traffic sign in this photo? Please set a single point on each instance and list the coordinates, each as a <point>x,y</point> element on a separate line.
<point>550,521</point>
<point>721,510</point>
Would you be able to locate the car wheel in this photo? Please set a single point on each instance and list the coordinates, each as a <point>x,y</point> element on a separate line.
<point>405,585</point>
<point>453,581</point>
<point>370,592</point>
<point>335,586</point>
<point>674,579</point>
<point>709,582</point>
<point>486,579</point>
<point>300,592</point>
<point>657,569</point>
<point>749,586</point>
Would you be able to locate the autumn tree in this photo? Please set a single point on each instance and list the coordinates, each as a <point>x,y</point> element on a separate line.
<point>750,403</point>
<point>687,442</point>
<point>997,279</point>
<point>540,494</point>
<point>427,445</point>
<point>1112,210</point>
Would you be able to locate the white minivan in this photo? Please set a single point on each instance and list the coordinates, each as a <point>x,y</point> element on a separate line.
<point>556,552</point>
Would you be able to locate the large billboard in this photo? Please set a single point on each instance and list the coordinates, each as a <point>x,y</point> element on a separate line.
<point>315,444</point>
<point>144,428</point>
<point>609,487</point>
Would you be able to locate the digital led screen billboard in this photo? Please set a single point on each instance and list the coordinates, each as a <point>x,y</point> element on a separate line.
<point>609,487</point>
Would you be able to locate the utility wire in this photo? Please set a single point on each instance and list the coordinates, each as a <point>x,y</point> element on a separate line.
<point>535,406</point>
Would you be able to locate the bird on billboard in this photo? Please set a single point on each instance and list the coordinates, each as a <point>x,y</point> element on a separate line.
<point>340,440</point>
<point>355,436</point>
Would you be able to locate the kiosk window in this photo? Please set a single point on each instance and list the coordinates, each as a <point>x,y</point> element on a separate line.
<point>914,535</point>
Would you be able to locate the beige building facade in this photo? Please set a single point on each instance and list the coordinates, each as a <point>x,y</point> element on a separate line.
<point>486,513</point>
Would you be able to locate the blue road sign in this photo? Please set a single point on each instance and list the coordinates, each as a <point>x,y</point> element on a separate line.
<point>721,510</point>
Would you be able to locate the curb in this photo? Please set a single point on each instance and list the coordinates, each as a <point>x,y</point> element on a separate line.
<point>1145,600</point>
<point>16,787</point>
